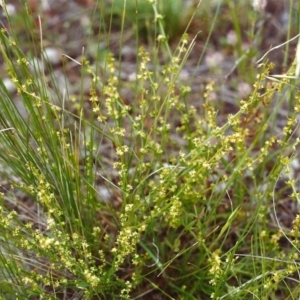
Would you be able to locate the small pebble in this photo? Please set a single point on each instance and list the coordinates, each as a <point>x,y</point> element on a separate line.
<point>104,193</point>
<point>11,9</point>
<point>10,86</point>
<point>52,55</point>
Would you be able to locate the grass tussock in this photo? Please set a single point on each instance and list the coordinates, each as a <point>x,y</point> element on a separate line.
<point>153,186</point>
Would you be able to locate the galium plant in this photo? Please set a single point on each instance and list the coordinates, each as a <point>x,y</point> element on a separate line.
<point>157,196</point>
